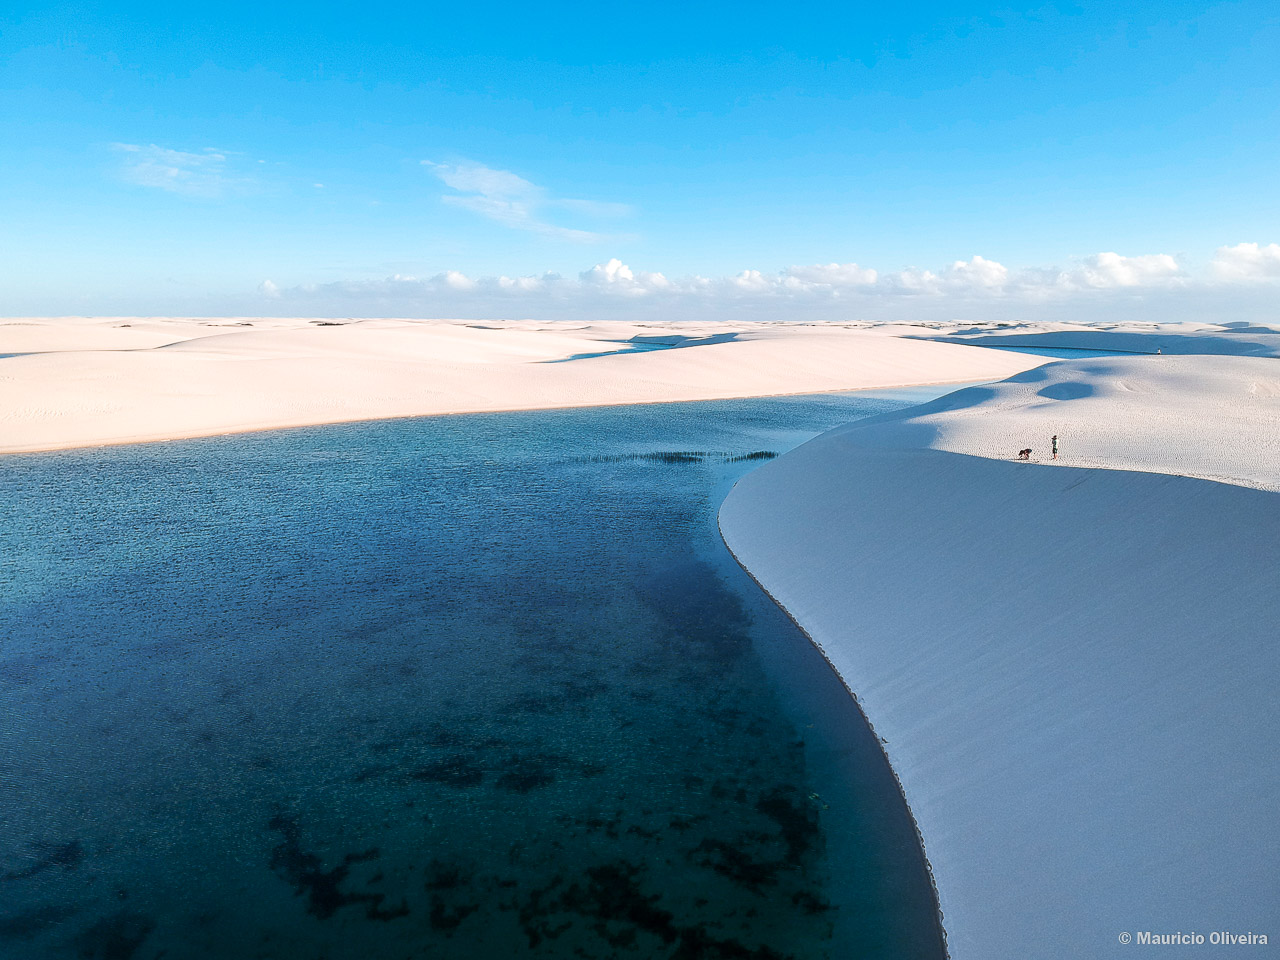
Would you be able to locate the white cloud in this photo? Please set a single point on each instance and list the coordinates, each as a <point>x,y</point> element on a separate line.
<point>607,274</point>
<point>455,280</point>
<point>617,277</point>
<point>514,202</point>
<point>269,290</point>
<point>833,275</point>
<point>479,179</point>
<point>982,278</point>
<point>978,273</point>
<point>975,277</point>
<point>1107,270</point>
<point>202,174</point>
<point>753,281</point>
<point>911,282</point>
<point>1247,261</point>
<point>521,284</point>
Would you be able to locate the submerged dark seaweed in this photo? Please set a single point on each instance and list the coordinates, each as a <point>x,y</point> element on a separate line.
<point>684,456</point>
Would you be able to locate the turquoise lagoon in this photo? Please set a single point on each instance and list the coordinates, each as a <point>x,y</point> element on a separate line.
<point>485,686</point>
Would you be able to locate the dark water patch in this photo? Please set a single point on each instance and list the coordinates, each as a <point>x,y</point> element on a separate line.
<point>809,903</point>
<point>613,896</point>
<point>45,856</point>
<point>541,703</point>
<point>716,623</point>
<point>735,861</point>
<point>116,937</point>
<point>448,918</point>
<point>609,826</point>
<point>659,456</point>
<point>454,737</point>
<point>446,876</point>
<point>323,888</point>
<point>20,669</point>
<point>525,774</point>
<point>536,914</point>
<point>798,822</point>
<point>26,924</point>
<point>627,918</point>
<point>373,772</point>
<point>458,770</point>
<point>682,456</point>
<point>683,822</point>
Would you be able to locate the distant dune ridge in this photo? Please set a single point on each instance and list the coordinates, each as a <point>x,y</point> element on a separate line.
<point>87,381</point>
<point>1075,670</point>
<point>83,382</point>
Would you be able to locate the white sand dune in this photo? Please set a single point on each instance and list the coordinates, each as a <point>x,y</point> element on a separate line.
<point>84,382</point>
<point>1075,669</point>
<point>1214,417</point>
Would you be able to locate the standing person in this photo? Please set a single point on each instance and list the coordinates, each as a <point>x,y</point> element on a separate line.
<point>1055,446</point>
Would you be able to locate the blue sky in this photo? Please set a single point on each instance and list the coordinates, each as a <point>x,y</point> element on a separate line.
<point>837,161</point>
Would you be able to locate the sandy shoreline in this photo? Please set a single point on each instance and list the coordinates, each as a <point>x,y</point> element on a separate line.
<point>1073,668</point>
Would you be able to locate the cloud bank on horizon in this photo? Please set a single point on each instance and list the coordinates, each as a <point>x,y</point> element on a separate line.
<point>977,288</point>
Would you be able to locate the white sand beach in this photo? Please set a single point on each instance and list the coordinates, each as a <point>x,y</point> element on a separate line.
<point>1072,663</point>
<point>87,381</point>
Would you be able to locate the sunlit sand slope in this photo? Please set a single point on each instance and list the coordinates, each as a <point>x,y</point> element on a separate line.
<point>1075,670</point>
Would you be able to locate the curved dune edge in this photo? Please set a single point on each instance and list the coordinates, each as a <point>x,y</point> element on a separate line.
<point>1073,669</point>
<point>902,794</point>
